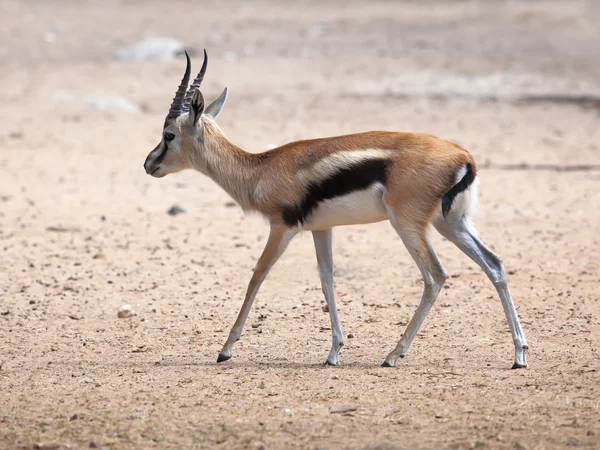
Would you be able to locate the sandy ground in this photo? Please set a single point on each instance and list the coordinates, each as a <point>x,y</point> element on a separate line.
<point>83,230</point>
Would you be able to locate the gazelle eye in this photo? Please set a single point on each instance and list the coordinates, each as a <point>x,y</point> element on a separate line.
<point>169,137</point>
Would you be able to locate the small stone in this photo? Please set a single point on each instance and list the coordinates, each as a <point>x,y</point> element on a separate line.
<point>175,209</point>
<point>256,325</point>
<point>289,412</point>
<point>343,409</point>
<point>350,336</point>
<point>125,312</point>
<point>46,445</point>
<point>32,302</point>
<point>151,49</point>
<point>325,308</point>
<point>111,102</point>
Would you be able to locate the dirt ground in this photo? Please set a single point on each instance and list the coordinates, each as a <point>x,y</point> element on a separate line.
<point>83,230</point>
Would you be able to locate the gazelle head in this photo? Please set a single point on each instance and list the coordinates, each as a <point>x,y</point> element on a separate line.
<point>183,131</point>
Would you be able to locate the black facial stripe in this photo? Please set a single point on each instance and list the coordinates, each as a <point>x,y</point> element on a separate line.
<point>162,155</point>
<point>356,177</point>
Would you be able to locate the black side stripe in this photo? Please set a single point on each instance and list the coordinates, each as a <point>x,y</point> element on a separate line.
<point>459,187</point>
<point>356,177</point>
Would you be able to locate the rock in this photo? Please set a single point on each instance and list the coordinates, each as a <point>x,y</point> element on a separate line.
<point>125,312</point>
<point>343,409</point>
<point>289,412</point>
<point>256,325</point>
<point>350,336</point>
<point>46,445</point>
<point>151,49</point>
<point>111,102</point>
<point>49,37</point>
<point>325,308</point>
<point>98,101</point>
<point>175,209</point>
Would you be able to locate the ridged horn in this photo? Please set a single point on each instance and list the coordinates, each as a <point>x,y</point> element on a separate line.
<point>176,107</point>
<point>195,85</point>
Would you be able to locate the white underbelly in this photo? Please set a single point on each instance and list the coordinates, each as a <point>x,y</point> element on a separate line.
<point>358,207</point>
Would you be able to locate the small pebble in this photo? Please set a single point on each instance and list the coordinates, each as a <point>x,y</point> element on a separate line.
<point>175,209</point>
<point>32,302</point>
<point>125,312</point>
<point>350,336</point>
<point>47,445</point>
<point>343,409</point>
<point>256,325</point>
<point>325,308</point>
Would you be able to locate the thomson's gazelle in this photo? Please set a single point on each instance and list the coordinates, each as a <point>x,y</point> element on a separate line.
<point>412,180</point>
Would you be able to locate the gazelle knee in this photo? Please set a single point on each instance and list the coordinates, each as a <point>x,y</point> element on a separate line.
<point>496,269</point>
<point>436,278</point>
<point>441,277</point>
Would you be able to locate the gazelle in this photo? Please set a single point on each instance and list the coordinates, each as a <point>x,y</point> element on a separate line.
<point>412,180</point>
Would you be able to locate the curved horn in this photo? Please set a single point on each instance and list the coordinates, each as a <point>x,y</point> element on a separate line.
<point>195,85</point>
<point>176,107</point>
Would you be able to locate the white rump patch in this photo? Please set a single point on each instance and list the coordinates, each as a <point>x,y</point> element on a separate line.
<point>465,204</point>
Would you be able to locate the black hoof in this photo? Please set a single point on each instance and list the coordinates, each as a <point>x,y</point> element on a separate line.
<point>386,364</point>
<point>518,366</point>
<point>222,358</point>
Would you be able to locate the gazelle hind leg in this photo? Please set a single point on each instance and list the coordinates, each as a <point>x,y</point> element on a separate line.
<point>323,242</point>
<point>416,240</point>
<point>462,233</point>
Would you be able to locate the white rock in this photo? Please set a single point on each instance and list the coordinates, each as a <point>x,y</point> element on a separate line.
<point>110,102</point>
<point>49,37</point>
<point>151,49</point>
<point>125,312</point>
<point>98,102</point>
<point>230,56</point>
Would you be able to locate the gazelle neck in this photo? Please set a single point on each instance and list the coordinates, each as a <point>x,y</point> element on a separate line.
<point>232,168</point>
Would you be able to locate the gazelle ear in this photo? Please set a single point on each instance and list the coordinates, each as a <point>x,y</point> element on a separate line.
<point>215,107</point>
<point>196,107</point>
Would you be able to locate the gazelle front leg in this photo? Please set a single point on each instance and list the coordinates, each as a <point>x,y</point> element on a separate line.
<point>279,238</point>
<point>323,241</point>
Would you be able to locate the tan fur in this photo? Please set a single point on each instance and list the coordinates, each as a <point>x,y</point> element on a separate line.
<point>422,171</point>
